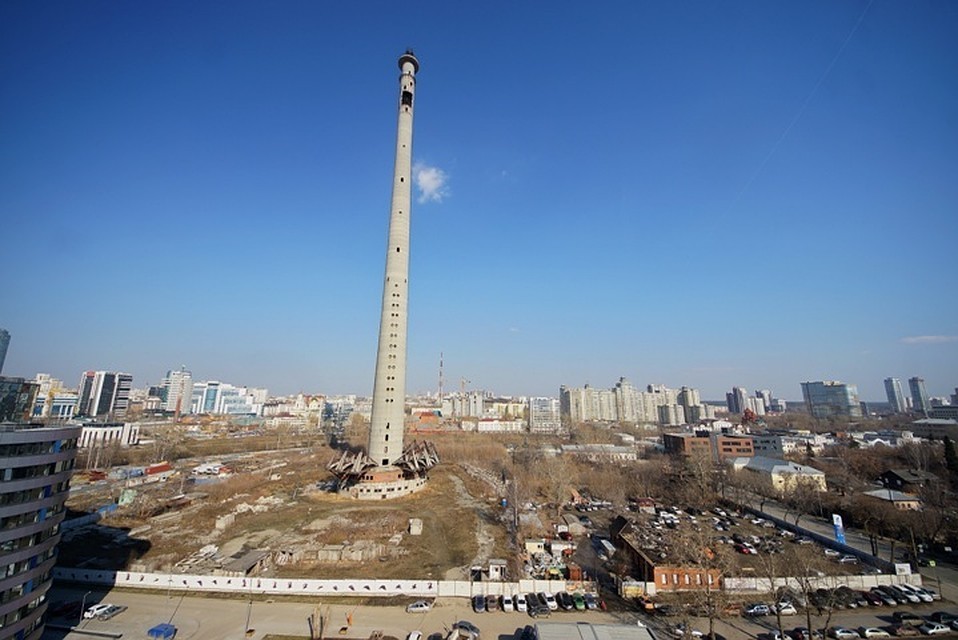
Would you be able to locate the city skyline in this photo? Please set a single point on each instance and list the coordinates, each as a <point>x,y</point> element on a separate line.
<point>688,195</point>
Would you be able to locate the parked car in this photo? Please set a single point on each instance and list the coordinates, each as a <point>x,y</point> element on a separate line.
<point>591,602</point>
<point>538,609</point>
<point>904,630</point>
<point>898,597</point>
<point>478,603</point>
<point>550,601</point>
<point>564,600</point>
<point>468,626</point>
<point>908,595</point>
<point>96,610</point>
<point>943,617</point>
<point>756,609</point>
<point>886,598</point>
<point>907,617</point>
<point>802,633</point>
<point>507,603</point>
<point>786,609</point>
<point>528,633</point>
<point>832,553</point>
<point>848,559</point>
<point>111,611</point>
<point>521,603</point>
<point>934,628</point>
<point>419,606</point>
<point>578,600</point>
<point>415,634</point>
<point>873,598</point>
<point>918,592</point>
<point>843,633</point>
<point>872,632</point>
<point>492,603</point>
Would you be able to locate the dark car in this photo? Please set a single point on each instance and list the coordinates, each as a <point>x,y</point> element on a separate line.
<point>907,617</point>
<point>478,603</point>
<point>528,633</point>
<point>564,600</point>
<point>943,617</point>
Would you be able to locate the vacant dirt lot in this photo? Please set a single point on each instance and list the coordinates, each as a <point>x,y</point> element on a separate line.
<point>273,502</point>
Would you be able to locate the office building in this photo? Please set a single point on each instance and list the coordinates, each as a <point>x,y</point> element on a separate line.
<point>17,397</point>
<point>4,344</point>
<point>179,392</point>
<point>919,397</point>
<point>830,399</point>
<point>895,396</point>
<point>104,394</point>
<point>36,465</point>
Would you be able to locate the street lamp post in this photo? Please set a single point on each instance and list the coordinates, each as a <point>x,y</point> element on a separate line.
<point>83,606</point>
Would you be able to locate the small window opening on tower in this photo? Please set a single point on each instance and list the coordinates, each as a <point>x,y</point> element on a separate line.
<point>407,98</point>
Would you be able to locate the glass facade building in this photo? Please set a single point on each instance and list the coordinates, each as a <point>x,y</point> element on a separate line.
<point>895,396</point>
<point>831,399</point>
<point>36,464</point>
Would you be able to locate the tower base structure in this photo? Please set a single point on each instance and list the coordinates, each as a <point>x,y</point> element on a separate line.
<point>362,479</point>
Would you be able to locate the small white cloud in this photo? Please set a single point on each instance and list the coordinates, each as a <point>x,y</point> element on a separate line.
<point>432,183</point>
<point>513,329</point>
<point>929,339</point>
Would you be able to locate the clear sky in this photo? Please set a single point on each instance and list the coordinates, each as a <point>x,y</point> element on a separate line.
<point>704,193</point>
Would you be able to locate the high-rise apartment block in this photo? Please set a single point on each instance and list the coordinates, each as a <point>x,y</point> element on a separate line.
<point>919,396</point>
<point>658,404</point>
<point>104,394</point>
<point>830,399</point>
<point>544,415</point>
<point>36,464</point>
<point>4,344</point>
<point>896,398</point>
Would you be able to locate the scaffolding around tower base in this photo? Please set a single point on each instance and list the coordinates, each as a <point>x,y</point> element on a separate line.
<point>359,477</point>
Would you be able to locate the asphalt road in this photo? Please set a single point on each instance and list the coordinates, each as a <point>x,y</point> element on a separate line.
<point>203,618</point>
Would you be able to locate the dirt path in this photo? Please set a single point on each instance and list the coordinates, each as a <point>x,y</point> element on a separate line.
<point>484,538</point>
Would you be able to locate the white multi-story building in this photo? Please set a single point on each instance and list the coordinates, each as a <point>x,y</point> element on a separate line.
<point>544,415</point>
<point>221,398</point>
<point>107,433</point>
<point>625,403</point>
<point>179,391</point>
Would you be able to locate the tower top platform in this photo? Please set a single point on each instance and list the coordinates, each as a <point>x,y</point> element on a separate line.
<point>409,57</point>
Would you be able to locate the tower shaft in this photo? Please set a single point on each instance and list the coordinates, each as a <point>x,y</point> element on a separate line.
<point>389,389</point>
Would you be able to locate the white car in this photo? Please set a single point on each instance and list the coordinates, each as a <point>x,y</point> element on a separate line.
<point>921,593</point>
<point>934,628</point>
<point>419,606</point>
<point>507,604</point>
<point>520,602</point>
<point>96,610</point>
<point>414,635</point>
<point>550,601</point>
<point>843,633</point>
<point>872,632</point>
<point>786,609</point>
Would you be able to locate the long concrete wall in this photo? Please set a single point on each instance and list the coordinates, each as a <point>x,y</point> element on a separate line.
<point>302,587</point>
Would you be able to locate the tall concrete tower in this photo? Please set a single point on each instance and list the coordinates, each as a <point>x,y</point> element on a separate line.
<point>387,469</point>
<point>389,389</point>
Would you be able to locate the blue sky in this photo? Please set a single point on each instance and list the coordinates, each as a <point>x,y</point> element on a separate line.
<point>702,193</point>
